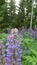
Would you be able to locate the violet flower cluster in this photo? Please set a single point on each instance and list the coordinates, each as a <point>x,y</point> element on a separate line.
<point>35,33</point>
<point>30,33</point>
<point>1,54</point>
<point>23,30</point>
<point>13,50</point>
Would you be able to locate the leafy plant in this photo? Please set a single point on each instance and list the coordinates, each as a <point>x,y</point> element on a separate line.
<point>3,37</point>
<point>29,55</point>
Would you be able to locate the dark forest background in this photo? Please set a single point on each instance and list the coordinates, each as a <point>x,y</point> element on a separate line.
<point>9,18</point>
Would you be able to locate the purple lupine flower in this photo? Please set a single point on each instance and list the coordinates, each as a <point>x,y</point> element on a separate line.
<point>23,30</point>
<point>19,63</point>
<point>35,33</point>
<point>1,53</point>
<point>7,63</point>
<point>30,32</point>
<point>13,50</point>
<point>9,31</point>
<point>35,29</point>
<point>8,38</point>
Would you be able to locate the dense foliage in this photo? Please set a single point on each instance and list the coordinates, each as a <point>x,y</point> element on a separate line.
<point>29,56</point>
<point>9,18</point>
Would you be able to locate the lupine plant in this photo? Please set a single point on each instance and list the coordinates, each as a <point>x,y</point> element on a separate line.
<point>1,54</point>
<point>23,30</point>
<point>35,33</point>
<point>13,49</point>
<point>30,33</point>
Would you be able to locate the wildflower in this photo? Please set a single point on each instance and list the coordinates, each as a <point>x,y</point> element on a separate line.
<point>14,30</point>
<point>30,32</point>
<point>13,50</point>
<point>23,30</point>
<point>1,53</point>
